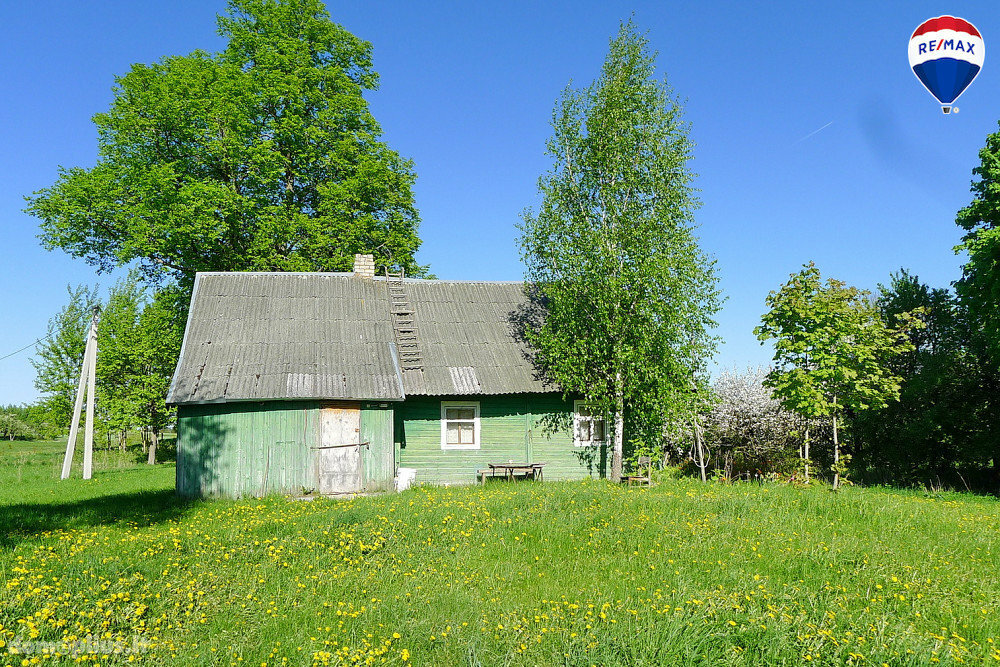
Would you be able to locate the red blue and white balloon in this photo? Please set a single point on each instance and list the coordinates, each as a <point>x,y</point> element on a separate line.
<point>946,53</point>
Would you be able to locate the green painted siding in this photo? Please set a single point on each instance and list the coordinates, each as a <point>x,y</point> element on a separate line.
<point>378,459</point>
<point>252,449</point>
<point>551,437</point>
<point>518,427</point>
<point>245,449</point>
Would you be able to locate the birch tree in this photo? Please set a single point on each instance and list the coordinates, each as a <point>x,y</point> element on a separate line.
<point>626,294</point>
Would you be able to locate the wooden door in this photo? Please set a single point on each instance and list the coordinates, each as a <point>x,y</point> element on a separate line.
<point>378,459</point>
<point>338,457</point>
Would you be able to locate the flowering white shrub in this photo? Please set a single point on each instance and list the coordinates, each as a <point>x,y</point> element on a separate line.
<point>747,426</point>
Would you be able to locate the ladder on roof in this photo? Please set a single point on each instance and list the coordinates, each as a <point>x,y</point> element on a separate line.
<point>404,323</point>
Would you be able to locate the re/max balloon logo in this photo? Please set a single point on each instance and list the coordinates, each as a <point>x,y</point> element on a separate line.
<point>947,45</point>
<point>946,55</point>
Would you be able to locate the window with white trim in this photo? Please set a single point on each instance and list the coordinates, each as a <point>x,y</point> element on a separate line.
<point>460,425</point>
<point>588,425</point>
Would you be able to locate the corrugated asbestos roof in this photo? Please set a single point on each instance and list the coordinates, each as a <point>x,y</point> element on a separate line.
<point>259,336</point>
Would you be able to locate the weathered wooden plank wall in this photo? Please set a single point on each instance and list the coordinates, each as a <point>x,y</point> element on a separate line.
<point>551,437</point>
<point>250,449</point>
<point>518,427</point>
<point>245,449</point>
<point>378,458</point>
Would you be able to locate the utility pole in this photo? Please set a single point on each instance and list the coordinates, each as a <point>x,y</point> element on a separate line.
<point>88,381</point>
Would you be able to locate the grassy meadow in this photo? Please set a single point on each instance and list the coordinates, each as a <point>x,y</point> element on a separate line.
<point>512,574</point>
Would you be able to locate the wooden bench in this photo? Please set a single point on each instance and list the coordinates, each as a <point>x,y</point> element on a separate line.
<point>510,471</point>
<point>487,472</point>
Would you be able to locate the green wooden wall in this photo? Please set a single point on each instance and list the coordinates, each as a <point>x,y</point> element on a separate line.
<point>551,440</point>
<point>245,449</point>
<point>519,427</point>
<point>378,459</point>
<point>252,449</point>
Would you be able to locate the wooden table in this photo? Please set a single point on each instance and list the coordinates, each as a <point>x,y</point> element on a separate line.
<point>509,470</point>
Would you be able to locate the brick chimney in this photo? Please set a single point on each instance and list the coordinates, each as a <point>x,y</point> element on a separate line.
<point>364,266</point>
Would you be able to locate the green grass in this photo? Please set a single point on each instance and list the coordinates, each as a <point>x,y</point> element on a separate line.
<point>515,574</point>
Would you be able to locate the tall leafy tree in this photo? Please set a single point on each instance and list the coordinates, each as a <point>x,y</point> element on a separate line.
<point>627,297</point>
<point>940,429</point>
<point>160,332</point>
<point>118,345</point>
<point>262,157</point>
<point>59,357</point>
<point>138,341</point>
<point>831,350</point>
<point>979,287</point>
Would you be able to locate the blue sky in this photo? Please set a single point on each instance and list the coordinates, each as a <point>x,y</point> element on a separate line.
<point>467,93</point>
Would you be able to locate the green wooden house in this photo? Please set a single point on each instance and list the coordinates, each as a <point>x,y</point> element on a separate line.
<point>332,382</point>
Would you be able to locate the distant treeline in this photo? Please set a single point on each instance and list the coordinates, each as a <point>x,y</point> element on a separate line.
<point>941,432</point>
<point>138,339</point>
<point>27,422</point>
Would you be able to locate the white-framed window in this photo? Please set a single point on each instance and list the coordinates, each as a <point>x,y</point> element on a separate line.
<point>460,425</point>
<point>588,425</point>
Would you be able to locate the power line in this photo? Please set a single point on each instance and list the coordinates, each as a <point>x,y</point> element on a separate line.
<point>29,345</point>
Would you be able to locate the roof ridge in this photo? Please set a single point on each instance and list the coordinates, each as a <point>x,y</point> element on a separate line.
<point>274,273</point>
<point>348,274</point>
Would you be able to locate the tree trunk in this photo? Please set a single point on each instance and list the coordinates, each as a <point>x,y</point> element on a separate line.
<point>699,449</point>
<point>805,450</point>
<point>153,440</point>
<point>836,449</point>
<point>619,447</point>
